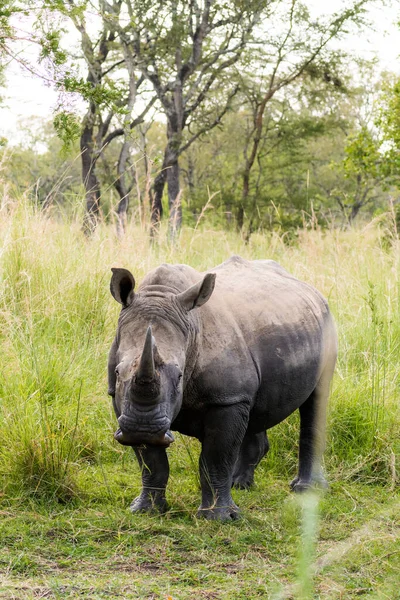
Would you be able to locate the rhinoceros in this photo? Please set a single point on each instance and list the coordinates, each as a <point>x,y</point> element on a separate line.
<point>221,356</point>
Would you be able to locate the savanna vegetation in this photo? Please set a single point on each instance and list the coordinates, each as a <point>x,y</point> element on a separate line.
<point>163,105</point>
<point>66,486</point>
<point>188,132</point>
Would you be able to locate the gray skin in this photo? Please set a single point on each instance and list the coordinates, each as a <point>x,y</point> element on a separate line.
<point>221,357</point>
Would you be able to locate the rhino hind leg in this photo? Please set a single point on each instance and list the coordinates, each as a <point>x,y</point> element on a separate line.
<point>254,447</point>
<point>153,462</point>
<point>312,439</point>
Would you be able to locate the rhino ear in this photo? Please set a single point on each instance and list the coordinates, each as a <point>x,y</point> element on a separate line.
<point>199,293</point>
<point>122,285</point>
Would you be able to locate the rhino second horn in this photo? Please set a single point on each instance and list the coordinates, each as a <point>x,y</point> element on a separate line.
<point>146,370</point>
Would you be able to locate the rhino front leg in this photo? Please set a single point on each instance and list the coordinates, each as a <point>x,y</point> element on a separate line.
<point>223,435</point>
<point>154,465</point>
<point>253,448</point>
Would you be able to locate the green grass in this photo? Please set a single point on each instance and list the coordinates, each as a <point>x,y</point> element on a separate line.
<point>95,547</point>
<point>65,531</point>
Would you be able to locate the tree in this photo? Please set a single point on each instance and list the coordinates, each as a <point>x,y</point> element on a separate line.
<point>362,165</point>
<point>370,165</point>
<point>110,94</point>
<point>388,122</point>
<point>298,50</point>
<point>184,49</point>
<point>323,152</point>
<point>281,190</point>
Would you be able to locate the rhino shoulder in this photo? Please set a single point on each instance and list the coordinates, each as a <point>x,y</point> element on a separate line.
<point>269,264</point>
<point>237,262</point>
<point>234,261</point>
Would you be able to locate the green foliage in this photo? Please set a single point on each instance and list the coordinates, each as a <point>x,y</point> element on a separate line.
<point>50,47</point>
<point>289,178</point>
<point>68,127</point>
<point>388,120</point>
<point>390,113</point>
<point>8,8</point>
<point>76,9</point>
<point>106,94</point>
<point>362,154</point>
<point>100,91</point>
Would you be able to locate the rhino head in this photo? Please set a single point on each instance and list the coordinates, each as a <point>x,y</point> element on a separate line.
<point>147,361</point>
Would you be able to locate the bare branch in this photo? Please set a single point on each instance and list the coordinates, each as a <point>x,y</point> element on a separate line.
<point>114,66</point>
<point>198,37</point>
<point>139,119</point>
<point>210,126</point>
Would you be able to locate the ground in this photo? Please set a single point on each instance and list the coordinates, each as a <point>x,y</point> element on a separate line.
<point>101,551</point>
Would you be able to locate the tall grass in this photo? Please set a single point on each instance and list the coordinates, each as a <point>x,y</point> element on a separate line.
<point>57,321</point>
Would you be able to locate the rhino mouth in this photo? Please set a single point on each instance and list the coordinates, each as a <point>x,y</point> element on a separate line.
<point>139,426</point>
<point>138,438</point>
<point>137,429</point>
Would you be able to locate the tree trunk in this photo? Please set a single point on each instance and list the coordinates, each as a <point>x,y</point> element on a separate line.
<point>174,199</point>
<point>122,208</point>
<point>174,136</point>
<point>122,189</point>
<point>254,142</point>
<point>156,200</point>
<point>245,196</point>
<point>355,209</point>
<point>191,176</point>
<point>169,175</point>
<point>89,178</point>
<point>240,218</point>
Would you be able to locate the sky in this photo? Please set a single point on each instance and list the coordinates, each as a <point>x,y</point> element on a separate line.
<point>27,99</point>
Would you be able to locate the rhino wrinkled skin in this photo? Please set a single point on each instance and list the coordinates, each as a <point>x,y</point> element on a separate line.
<point>222,357</point>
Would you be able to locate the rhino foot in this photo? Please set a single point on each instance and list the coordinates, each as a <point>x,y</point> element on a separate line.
<point>149,504</point>
<point>220,513</point>
<point>302,485</point>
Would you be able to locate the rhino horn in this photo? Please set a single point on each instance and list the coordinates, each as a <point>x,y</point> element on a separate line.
<point>146,370</point>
